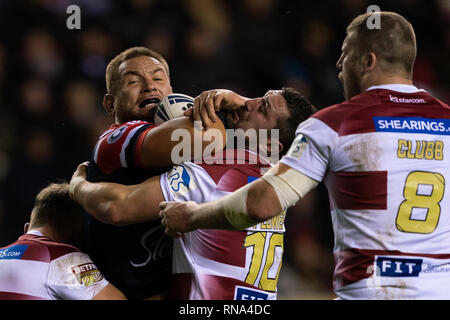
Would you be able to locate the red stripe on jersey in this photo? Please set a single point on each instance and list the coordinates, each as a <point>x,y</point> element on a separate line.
<point>236,167</point>
<point>358,190</point>
<point>353,264</point>
<point>112,143</point>
<point>42,248</point>
<point>356,115</point>
<point>223,246</point>
<point>139,147</point>
<point>17,296</point>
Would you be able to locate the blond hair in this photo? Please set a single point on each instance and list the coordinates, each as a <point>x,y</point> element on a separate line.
<point>394,43</point>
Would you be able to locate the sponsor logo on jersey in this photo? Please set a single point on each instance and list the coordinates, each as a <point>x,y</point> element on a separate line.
<point>179,178</point>
<point>87,274</point>
<point>412,125</point>
<point>244,293</point>
<point>116,134</point>
<point>298,146</point>
<point>14,252</point>
<point>398,267</point>
<point>405,100</point>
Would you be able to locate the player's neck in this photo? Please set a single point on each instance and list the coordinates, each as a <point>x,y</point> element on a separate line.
<point>45,230</point>
<point>385,79</point>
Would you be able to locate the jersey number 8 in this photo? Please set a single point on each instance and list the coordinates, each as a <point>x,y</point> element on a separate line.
<point>423,191</point>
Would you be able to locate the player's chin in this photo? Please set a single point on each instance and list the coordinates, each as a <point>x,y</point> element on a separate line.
<point>146,114</point>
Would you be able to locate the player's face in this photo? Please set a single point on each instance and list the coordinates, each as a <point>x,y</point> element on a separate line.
<point>347,66</point>
<point>259,113</point>
<point>144,82</point>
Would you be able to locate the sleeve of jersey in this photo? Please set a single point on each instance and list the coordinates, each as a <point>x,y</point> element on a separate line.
<point>74,276</point>
<point>311,149</point>
<point>122,147</point>
<point>187,182</point>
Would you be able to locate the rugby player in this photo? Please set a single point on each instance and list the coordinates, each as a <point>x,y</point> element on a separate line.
<point>383,155</point>
<point>211,264</point>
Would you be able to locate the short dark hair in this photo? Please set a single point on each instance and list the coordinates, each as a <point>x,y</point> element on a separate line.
<point>112,70</point>
<point>300,109</point>
<point>54,207</point>
<point>394,42</point>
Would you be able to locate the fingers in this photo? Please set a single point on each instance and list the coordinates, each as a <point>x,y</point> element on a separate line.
<point>164,221</point>
<point>189,113</point>
<point>205,106</point>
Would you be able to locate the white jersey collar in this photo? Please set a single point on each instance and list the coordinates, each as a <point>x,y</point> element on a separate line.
<point>405,88</point>
<point>35,232</point>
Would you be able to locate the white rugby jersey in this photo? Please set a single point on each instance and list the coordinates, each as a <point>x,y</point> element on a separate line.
<point>37,268</point>
<point>223,264</point>
<point>384,157</point>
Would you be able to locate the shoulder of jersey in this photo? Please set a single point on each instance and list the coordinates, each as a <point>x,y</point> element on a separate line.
<point>38,248</point>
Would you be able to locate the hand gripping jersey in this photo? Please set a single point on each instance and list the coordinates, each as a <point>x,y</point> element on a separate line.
<point>384,157</point>
<point>135,258</point>
<point>223,264</point>
<point>37,268</point>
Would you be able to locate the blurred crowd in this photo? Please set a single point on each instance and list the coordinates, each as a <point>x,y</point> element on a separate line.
<point>52,84</point>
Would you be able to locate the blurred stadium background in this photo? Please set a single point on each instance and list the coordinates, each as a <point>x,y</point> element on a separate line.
<point>52,84</point>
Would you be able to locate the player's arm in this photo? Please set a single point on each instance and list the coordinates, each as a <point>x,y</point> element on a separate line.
<point>280,188</point>
<point>159,142</point>
<point>114,203</point>
<point>109,293</point>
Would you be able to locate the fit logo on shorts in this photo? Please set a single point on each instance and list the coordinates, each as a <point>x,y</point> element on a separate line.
<point>87,274</point>
<point>14,252</point>
<point>398,267</point>
<point>243,293</point>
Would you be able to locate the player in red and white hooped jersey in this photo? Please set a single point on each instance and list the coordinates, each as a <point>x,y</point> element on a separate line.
<point>383,155</point>
<point>223,264</point>
<point>43,264</point>
<point>385,174</point>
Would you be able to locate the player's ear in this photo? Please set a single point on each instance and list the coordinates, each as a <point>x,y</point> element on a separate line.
<point>369,61</point>
<point>26,227</point>
<point>108,103</point>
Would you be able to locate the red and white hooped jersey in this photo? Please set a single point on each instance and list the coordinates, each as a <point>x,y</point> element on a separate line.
<point>223,264</point>
<point>37,268</point>
<point>384,157</point>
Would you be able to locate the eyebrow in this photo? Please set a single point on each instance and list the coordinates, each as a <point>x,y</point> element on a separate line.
<point>136,73</point>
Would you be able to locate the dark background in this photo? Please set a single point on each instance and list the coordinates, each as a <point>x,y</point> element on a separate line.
<point>52,84</point>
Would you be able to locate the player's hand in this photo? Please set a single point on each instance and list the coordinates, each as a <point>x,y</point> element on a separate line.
<point>177,217</point>
<point>78,176</point>
<point>208,102</point>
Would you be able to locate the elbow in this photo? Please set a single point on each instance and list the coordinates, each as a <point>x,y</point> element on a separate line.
<point>259,212</point>
<point>116,215</point>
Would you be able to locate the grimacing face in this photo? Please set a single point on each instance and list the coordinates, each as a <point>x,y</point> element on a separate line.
<point>259,113</point>
<point>347,66</point>
<point>143,84</point>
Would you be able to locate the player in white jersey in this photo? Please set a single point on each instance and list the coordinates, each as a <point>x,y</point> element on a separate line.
<point>44,264</point>
<point>208,264</point>
<point>383,155</point>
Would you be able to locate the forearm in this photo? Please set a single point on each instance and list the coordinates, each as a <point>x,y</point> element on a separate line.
<point>244,208</point>
<point>100,199</point>
<point>180,140</point>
